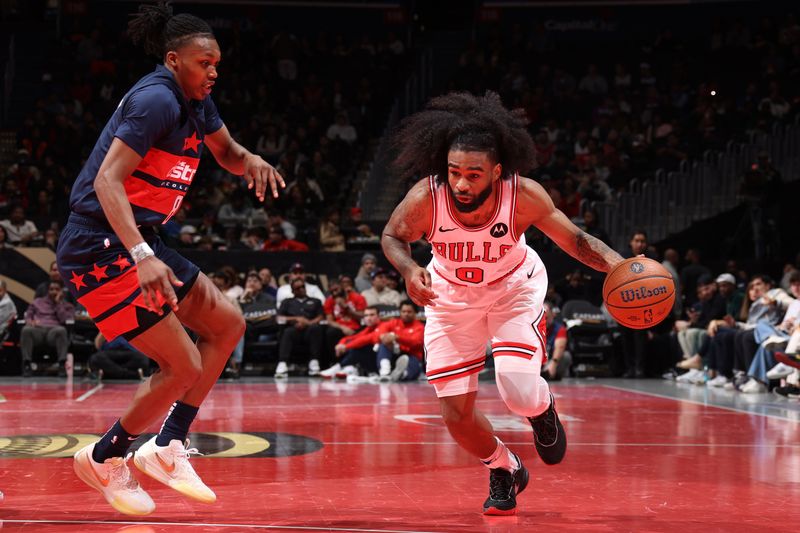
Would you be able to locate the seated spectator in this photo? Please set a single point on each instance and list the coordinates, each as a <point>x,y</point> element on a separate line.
<point>43,288</point>
<point>268,282</point>
<point>692,333</point>
<point>591,225</point>
<point>342,130</point>
<point>258,309</point>
<point>236,211</point>
<point>275,218</point>
<point>187,236</point>
<point>45,325</point>
<point>19,230</point>
<point>364,276</point>
<point>380,293</point>
<point>730,293</point>
<point>356,348</point>
<point>277,242</point>
<point>298,271</point>
<point>344,309</point>
<point>331,238</point>
<point>401,341</point>
<point>117,359</point>
<point>226,281</point>
<point>769,337</point>
<point>559,359</point>
<point>395,281</point>
<point>8,311</point>
<point>575,286</point>
<point>302,315</point>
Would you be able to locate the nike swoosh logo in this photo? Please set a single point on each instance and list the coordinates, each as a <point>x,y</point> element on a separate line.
<point>446,230</point>
<point>531,272</point>
<point>103,481</point>
<point>167,467</point>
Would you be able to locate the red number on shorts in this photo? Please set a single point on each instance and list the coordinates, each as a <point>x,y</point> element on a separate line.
<point>470,274</point>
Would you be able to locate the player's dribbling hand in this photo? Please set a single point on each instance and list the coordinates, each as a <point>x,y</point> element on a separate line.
<point>418,284</point>
<point>260,174</point>
<point>156,278</point>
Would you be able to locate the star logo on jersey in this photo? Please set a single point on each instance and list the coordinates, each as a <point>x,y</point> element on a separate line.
<point>77,280</point>
<point>191,143</point>
<point>99,272</point>
<point>498,230</point>
<point>122,262</point>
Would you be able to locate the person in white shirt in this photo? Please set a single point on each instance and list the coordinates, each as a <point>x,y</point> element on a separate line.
<point>7,308</point>
<point>380,293</point>
<point>342,130</point>
<point>19,230</point>
<point>298,271</point>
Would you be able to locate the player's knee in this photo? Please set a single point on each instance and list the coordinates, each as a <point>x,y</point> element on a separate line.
<point>524,394</point>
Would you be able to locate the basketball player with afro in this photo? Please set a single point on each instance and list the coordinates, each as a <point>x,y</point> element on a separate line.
<point>483,283</point>
<point>133,285</point>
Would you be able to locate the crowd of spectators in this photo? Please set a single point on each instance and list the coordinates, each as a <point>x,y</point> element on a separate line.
<point>603,116</point>
<point>308,104</point>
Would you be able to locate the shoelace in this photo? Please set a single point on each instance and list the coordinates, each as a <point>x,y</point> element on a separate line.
<point>500,483</point>
<point>121,474</point>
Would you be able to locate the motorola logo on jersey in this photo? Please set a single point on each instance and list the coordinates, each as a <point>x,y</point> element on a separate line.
<point>498,230</point>
<point>182,172</point>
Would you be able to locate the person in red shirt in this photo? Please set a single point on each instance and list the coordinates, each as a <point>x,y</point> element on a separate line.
<point>277,242</point>
<point>402,337</point>
<point>344,309</point>
<point>356,349</point>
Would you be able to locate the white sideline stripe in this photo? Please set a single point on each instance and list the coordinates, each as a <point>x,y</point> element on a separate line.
<point>211,524</point>
<point>89,392</point>
<point>704,404</point>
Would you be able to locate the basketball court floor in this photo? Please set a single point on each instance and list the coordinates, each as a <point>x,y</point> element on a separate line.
<point>308,455</point>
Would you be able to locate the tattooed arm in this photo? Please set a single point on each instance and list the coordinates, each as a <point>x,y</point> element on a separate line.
<point>409,222</point>
<point>534,207</point>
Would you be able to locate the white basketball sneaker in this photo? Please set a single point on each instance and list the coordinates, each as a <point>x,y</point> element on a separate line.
<point>113,479</point>
<point>170,465</point>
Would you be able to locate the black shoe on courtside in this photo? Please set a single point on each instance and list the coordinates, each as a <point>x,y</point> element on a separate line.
<point>548,435</point>
<point>504,488</point>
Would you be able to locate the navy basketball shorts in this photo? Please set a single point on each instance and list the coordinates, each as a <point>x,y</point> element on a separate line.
<point>102,277</point>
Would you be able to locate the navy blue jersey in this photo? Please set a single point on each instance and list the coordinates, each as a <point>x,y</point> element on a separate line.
<point>156,121</point>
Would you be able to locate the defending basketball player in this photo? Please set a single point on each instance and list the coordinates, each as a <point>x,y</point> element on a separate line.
<point>483,282</point>
<point>129,281</point>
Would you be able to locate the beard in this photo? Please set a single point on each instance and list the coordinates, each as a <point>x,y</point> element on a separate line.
<point>477,201</point>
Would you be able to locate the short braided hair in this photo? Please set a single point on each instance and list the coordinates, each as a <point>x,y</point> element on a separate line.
<point>158,30</point>
<point>462,120</point>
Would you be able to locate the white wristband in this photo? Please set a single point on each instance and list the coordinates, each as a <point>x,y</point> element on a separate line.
<point>141,251</point>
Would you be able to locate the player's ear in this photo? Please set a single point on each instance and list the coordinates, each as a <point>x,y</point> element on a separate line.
<point>171,59</point>
<point>497,172</point>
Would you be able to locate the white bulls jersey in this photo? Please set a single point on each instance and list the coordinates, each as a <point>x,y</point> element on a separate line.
<point>481,255</point>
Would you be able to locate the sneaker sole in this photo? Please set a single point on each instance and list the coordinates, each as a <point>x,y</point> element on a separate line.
<point>141,464</point>
<point>80,471</point>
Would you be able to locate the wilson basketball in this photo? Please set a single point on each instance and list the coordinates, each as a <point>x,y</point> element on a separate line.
<point>639,293</point>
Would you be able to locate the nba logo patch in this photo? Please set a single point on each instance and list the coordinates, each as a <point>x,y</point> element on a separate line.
<point>106,242</point>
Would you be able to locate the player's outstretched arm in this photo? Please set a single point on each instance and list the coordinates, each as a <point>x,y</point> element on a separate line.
<point>238,160</point>
<point>535,207</point>
<point>409,222</point>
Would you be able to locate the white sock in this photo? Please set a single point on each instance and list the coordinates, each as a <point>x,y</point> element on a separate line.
<point>501,458</point>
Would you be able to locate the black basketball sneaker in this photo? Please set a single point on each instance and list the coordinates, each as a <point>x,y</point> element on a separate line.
<point>504,488</point>
<point>548,435</point>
